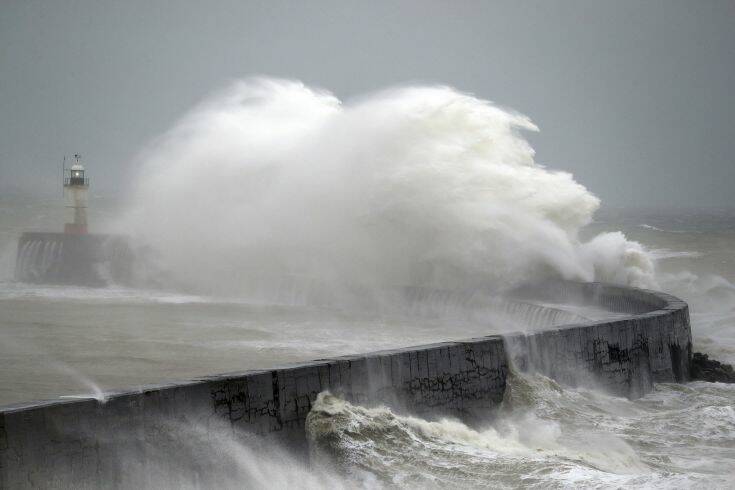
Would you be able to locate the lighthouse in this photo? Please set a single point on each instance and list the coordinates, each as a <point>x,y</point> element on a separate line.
<point>74,256</point>
<point>75,194</point>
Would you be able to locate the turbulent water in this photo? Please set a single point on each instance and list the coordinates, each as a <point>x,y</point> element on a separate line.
<point>550,436</point>
<point>413,186</point>
<point>546,436</point>
<point>70,341</point>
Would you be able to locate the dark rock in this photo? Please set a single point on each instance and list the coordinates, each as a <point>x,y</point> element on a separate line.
<point>706,369</point>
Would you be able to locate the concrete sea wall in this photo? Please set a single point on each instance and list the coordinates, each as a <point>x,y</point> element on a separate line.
<point>85,443</point>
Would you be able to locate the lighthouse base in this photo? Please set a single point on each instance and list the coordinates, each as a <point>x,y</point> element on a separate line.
<point>78,259</point>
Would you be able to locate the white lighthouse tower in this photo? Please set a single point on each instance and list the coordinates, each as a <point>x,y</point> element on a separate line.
<point>75,194</point>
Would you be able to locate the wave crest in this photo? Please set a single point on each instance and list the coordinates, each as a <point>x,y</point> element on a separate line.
<point>414,185</point>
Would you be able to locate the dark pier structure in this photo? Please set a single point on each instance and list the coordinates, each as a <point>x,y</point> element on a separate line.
<point>65,258</point>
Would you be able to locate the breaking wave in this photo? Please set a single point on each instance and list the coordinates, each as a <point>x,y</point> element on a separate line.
<point>413,185</point>
<point>655,228</point>
<point>544,436</point>
<point>665,253</point>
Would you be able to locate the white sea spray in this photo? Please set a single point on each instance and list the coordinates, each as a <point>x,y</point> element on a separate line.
<point>412,185</point>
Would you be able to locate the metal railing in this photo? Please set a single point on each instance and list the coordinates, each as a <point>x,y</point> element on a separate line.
<point>76,181</point>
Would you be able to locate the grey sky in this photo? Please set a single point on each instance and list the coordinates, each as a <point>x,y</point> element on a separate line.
<point>635,98</point>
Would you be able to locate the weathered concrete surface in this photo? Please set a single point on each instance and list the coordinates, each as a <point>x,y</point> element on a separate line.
<point>84,443</point>
<point>625,356</point>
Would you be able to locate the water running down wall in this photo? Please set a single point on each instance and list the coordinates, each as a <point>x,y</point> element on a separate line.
<point>63,258</point>
<point>86,443</point>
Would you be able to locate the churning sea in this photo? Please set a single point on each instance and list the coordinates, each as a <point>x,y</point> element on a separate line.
<point>73,341</point>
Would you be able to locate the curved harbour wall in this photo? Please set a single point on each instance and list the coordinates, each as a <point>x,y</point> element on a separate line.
<point>85,443</point>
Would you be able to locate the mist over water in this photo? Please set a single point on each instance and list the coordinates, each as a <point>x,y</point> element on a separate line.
<point>270,191</point>
<point>409,186</point>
